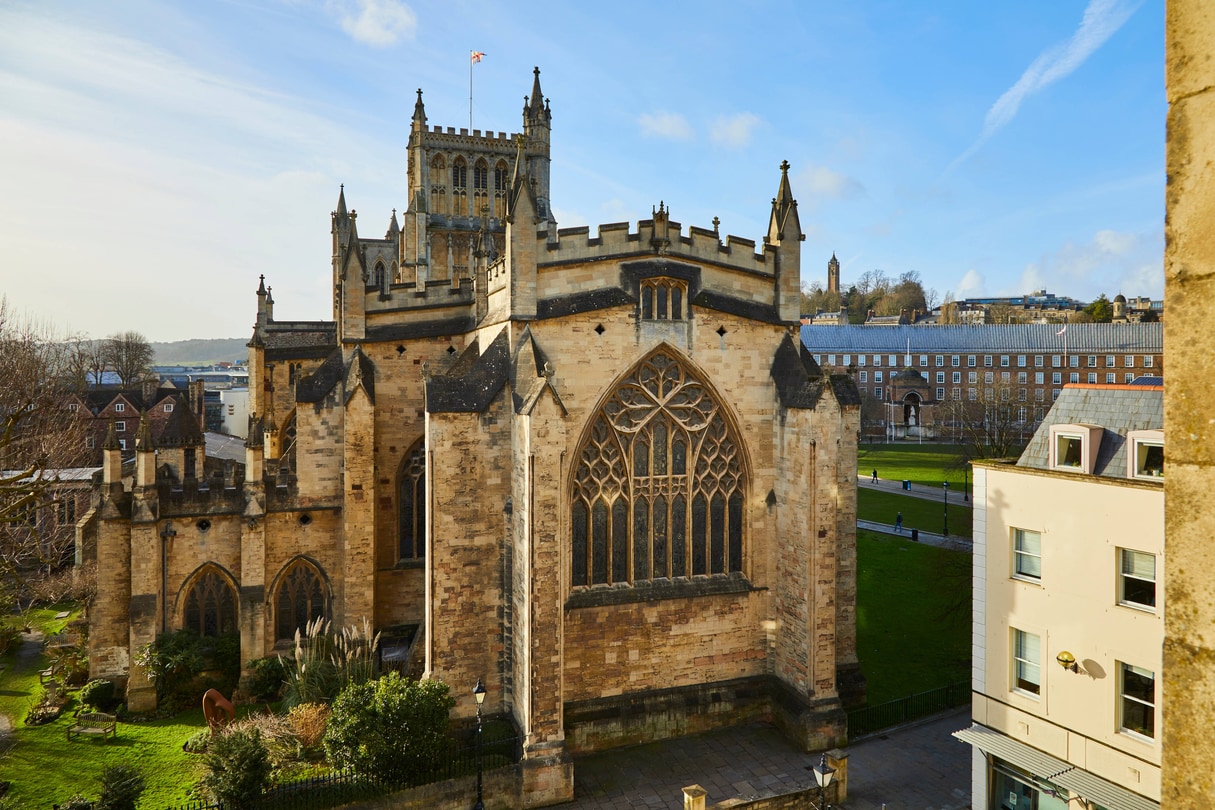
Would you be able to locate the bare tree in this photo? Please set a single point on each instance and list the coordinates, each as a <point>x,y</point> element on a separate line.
<point>39,436</point>
<point>996,423</point>
<point>130,355</point>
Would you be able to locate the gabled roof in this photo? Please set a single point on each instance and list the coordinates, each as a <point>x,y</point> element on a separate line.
<point>1118,409</point>
<point>799,380</point>
<point>317,385</point>
<point>181,428</point>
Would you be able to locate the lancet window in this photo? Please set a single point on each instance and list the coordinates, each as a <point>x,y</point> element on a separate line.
<point>411,503</point>
<point>210,605</point>
<point>663,299</point>
<point>659,487</point>
<point>301,599</point>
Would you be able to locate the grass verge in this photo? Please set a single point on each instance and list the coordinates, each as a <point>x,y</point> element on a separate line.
<point>918,513</point>
<point>919,463</point>
<point>912,616</point>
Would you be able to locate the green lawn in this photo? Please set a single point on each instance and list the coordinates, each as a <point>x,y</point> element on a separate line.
<point>46,769</point>
<point>919,463</point>
<point>918,513</point>
<point>912,616</point>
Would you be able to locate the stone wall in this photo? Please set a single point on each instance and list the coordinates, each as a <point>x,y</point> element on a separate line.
<point>1188,757</point>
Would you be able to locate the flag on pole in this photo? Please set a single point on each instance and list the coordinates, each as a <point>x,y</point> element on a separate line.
<point>475,56</point>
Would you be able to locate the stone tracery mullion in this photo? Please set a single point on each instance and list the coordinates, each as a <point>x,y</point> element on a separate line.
<point>621,462</point>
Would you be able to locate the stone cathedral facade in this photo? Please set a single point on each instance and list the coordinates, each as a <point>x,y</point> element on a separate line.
<point>597,471</point>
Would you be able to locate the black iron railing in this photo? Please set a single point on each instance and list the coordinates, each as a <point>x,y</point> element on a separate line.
<point>869,719</point>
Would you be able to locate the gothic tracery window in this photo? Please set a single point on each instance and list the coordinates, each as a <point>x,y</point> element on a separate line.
<point>411,502</point>
<point>663,299</point>
<point>301,599</point>
<point>210,606</point>
<point>658,491</point>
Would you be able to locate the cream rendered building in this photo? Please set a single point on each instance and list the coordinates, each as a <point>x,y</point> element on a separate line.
<point>1068,609</point>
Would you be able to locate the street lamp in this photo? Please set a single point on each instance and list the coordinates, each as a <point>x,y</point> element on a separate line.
<point>479,695</point>
<point>823,774</point>
<point>945,487</point>
<point>966,481</point>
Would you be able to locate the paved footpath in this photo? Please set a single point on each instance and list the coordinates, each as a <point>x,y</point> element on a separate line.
<point>920,767</point>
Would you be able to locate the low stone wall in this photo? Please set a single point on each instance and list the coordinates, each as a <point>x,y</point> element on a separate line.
<point>694,799</point>
<point>500,788</point>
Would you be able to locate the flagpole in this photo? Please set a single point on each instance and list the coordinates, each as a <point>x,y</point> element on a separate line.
<point>470,64</point>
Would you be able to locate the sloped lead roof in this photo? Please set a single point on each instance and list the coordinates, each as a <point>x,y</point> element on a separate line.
<point>1118,409</point>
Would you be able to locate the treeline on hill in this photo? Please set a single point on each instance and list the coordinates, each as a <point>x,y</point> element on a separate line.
<point>201,352</point>
<point>874,290</point>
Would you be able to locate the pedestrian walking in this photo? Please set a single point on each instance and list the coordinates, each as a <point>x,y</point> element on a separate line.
<point>898,523</point>
<point>873,480</point>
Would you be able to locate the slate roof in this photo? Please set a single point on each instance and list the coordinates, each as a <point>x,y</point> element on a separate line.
<point>220,445</point>
<point>473,381</point>
<point>1080,338</point>
<point>1117,408</point>
<point>797,377</point>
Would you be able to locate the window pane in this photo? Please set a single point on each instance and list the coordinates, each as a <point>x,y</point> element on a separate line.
<point>699,526</point>
<point>660,536</point>
<point>578,552</point>
<point>736,531</point>
<point>641,540</point>
<point>718,519</point>
<point>660,449</point>
<point>599,542</point>
<point>1027,553</point>
<point>620,541</point>
<point>679,522</point>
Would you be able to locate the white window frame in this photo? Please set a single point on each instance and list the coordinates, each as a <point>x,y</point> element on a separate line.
<point>122,444</point>
<point>1142,444</point>
<point>1147,361</point>
<point>940,358</point>
<point>940,394</point>
<point>1128,377</point>
<point>1057,449</point>
<point>1026,658</point>
<point>120,426</point>
<point>168,407</point>
<point>940,379</point>
<point>1124,698</point>
<point>877,377</point>
<point>1132,567</point>
<point>1111,378</point>
<point>119,407</point>
<point>1004,361</point>
<point>970,360</point>
<point>987,361</point>
<point>1128,361</point>
<point>1092,361</point>
<point>1027,555</point>
<point>1092,378</point>
<point>955,360</point>
<point>864,376</point>
<point>877,391</point>
<point>1039,361</point>
<point>1073,377</point>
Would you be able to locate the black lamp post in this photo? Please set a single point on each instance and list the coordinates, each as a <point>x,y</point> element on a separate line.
<point>966,482</point>
<point>945,487</point>
<point>479,696</point>
<point>823,774</point>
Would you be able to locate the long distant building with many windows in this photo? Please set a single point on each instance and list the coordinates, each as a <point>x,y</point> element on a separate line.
<point>1031,362</point>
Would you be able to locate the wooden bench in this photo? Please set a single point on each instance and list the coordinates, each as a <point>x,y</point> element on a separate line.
<point>94,724</point>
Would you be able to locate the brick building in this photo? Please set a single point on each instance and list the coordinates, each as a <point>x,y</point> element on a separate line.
<point>598,472</point>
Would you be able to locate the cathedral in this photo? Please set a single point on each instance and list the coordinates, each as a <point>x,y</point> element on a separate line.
<point>598,472</point>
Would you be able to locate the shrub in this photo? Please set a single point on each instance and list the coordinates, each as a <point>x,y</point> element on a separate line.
<point>10,637</point>
<point>98,694</point>
<point>390,729</point>
<point>308,720</point>
<point>325,663</point>
<point>198,742</point>
<point>76,802</point>
<point>269,675</point>
<point>121,787</point>
<point>238,768</point>
<point>276,734</point>
<point>174,661</point>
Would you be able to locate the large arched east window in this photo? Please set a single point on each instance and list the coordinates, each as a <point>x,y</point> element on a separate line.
<point>658,491</point>
<point>411,504</point>
<point>301,599</point>
<point>210,605</point>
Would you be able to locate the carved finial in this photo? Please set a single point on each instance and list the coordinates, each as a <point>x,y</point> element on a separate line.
<point>784,167</point>
<point>548,369</point>
<point>717,225</point>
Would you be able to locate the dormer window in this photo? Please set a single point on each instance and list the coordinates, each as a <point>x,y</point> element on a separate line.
<point>663,299</point>
<point>1074,447</point>
<point>1146,454</point>
<point>119,407</point>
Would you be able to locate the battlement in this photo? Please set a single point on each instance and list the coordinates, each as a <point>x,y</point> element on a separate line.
<point>488,139</point>
<point>615,240</point>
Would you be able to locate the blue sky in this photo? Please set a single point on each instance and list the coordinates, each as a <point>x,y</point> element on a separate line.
<point>158,156</point>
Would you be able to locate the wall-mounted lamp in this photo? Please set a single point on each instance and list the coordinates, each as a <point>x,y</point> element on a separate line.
<point>1067,661</point>
<point>508,508</point>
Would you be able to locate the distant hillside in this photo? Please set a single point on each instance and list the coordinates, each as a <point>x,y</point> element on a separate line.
<point>200,352</point>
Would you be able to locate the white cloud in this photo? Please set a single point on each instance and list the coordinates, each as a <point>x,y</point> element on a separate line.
<point>378,23</point>
<point>821,181</point>
<point>1102,18</point>
<point>669,125</point>
<point>733,130</point>
<point>971,285</point>
<point>1111,262</point>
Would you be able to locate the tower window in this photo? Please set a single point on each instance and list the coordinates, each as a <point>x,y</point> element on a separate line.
<point>481,175</point>
<point>459,174</point>
<point>663,299</point>
<point>411,501</point>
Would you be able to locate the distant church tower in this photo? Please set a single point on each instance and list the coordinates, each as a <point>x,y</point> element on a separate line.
<point>833,274</point>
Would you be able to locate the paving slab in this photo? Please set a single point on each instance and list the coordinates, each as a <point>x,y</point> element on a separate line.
<point>920,767</point>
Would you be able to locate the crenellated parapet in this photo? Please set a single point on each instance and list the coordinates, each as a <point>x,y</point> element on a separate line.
<point>615,240</point>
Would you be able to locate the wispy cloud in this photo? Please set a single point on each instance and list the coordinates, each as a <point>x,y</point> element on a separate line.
<point>669,125</point>
<point>1111,262</point>
<point>971,285</point>
<point>821,181</point>
<point>379,23</point>
<point>734,130</point>
<point>1102,18</point>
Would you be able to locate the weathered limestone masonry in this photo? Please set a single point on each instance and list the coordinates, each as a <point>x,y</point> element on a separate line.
<point>1188,757</point>
<point>600,473</point>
